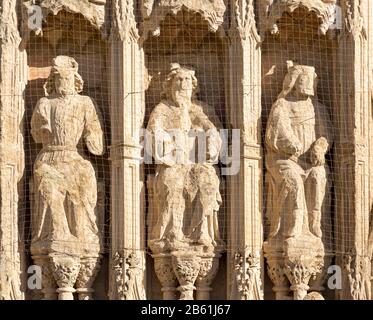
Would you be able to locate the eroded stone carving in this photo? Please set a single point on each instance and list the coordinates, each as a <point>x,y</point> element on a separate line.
<point>126,266</point>
<point>155,11</point>
<point>358,270</point>
<point>247,274</point>
<point>186,193</point>
<point>64,223</point>
<point>272,10</point>
<point>297,139</point>
<point>92,10</point>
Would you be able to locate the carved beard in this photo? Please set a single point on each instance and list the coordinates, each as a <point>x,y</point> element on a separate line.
<point>65,87</point>
<point>183,98</point>
<point>65,91</point>
<point>309,92</point>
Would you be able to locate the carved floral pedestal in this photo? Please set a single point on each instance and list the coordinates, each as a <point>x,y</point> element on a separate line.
<point>209,266</point>
<point>63,275</point>
<point>275,262</point>
<point>186,266</point>
<point>166,276</point>
<point>89,268</point>
<point>304,259</point>
<point>49,285</point>
<point>65,270</point>
<point>186,272</point>
<point>317,284</point>
<point>295,266</point>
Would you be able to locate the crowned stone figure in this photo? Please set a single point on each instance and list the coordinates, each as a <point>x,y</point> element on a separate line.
<point>65,235</point>
<point>187,192</point>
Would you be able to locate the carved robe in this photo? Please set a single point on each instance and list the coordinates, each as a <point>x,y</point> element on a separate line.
<point>187,193</point>
<point>296,186</point>
<point>64,219</point>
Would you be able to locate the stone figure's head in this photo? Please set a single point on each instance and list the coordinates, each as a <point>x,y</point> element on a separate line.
<point>64,78</point>
<point>301,79</point>
<point>180,83</point>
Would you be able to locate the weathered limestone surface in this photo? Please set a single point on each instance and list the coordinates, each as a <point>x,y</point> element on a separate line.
<point>297,139</point>
<point>65,236</point>
<point>259,215</point>
<point>184,226</point>
<point>13,78</point>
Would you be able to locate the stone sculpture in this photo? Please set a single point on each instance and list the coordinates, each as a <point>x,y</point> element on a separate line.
<point>186,193</point>
<point>65,235</point>
<point>297,139</point>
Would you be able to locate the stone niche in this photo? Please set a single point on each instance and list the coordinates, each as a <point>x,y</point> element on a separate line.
<point>298,39</point>
<point>184,38</point>
<point>71,35</point>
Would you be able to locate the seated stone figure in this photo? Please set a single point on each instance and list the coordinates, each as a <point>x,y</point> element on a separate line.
<point>297,139</point>
<point>187,192</point>
<point>65,236</point>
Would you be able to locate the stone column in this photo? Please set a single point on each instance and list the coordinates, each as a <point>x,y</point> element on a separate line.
<point>370,50</point>
<point>352,153</point>
<point>127,280</point>
<point>13,78</point>
<point>245,237</point>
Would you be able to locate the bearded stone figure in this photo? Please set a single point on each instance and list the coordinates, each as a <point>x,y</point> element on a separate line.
<point>184,229</point>
<point>187,192</point>
<point>297,139</point>
<point>65,235</point>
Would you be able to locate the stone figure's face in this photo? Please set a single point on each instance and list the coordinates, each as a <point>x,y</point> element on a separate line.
<point>65,83</point>
<point>182,85</point>
<point>305,84</point>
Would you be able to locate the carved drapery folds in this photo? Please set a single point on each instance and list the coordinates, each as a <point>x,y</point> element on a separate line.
<point>155,11</point>
<point>184,199</point>
<point>65,234</point>
<point>272,10</point>
<point>184,225</point>
<point>297,139</point>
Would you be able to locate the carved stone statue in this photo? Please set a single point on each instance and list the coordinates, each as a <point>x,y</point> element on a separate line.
<point>186,192</point>
<point>181,184</point>
<point>297,139</point>
<point>65,235</point>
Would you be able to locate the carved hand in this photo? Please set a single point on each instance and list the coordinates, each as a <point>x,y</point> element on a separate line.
<point>213,146</point>
<point>295,149</point>
<point>318,152</point>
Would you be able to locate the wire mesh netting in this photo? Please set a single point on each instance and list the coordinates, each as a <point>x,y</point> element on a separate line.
<point>302,163</point>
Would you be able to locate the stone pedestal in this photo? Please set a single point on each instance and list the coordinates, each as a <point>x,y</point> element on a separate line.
<point>276,272</point>
<point>186,266</point>
<point>208,270</point>
<point>166,275</point>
